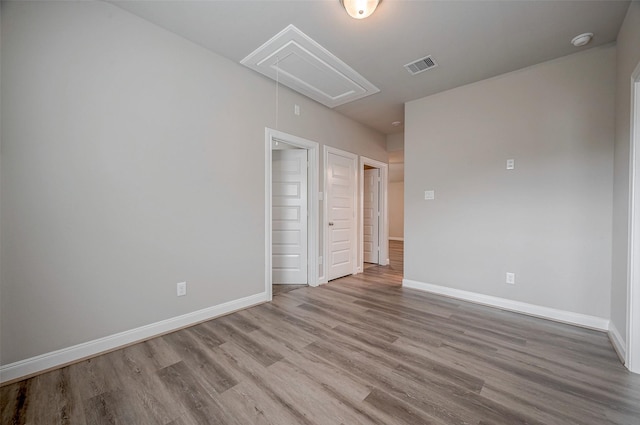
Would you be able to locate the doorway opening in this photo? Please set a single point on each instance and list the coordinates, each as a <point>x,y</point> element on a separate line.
<point>371,239</point>
<point>291,210</point>
<point>289,215</point>
<point>374,221</point>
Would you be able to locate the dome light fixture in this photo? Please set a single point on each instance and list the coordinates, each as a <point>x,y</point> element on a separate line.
<point>582,39</point>
<point>360,9</point>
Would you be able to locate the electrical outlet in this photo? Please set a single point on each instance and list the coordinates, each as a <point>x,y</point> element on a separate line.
<point>511,164</point>
<point>181,289</point>
<point>511,278</point>
<point>429,195</point>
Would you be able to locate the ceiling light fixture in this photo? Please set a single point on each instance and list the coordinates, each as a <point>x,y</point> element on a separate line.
<point>582,39</point>
<point>360,9</point>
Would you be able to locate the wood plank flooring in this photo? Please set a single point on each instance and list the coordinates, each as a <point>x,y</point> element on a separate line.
<point>283,289</point>
<point>359,350</point>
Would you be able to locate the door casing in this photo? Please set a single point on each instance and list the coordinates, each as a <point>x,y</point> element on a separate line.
<point>633,261</point>
<point>313,149</point>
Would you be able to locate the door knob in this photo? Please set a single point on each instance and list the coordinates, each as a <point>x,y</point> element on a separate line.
<point>331,223</point>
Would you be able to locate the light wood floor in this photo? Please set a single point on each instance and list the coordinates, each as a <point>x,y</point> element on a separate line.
<point>283,289</point>
<point>359,350</point>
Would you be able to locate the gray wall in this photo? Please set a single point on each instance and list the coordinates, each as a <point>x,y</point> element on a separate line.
<point>395,142</point>
<point>628,57</point>
<point>396,209</point>
<point>395,147</point>
<point>549,220</point>
<point>132,159</point>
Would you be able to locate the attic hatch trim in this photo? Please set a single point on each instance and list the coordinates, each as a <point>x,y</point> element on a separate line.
<point>300,63</point>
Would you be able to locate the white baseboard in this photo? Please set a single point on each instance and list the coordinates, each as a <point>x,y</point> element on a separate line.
<point>618,343</point>
<point>583,320</point>
<point>28,367</point>
<point>396,239</point>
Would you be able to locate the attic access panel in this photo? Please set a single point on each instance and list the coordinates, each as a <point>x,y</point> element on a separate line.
<point>298,62</point>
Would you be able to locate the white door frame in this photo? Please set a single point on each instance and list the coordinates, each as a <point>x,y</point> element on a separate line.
<point>633,273</point>
<point>325,226</point>
<point>313,149</point>
<point>383,258</point>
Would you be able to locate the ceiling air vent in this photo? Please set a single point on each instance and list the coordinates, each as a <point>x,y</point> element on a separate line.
<point>421,65</point>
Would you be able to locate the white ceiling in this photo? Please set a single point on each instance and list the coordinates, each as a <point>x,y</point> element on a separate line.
<point>470,40</point>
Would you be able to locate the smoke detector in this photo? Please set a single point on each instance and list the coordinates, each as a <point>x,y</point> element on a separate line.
<point>582,39</point>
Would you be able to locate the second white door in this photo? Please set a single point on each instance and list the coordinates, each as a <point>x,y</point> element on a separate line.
<point>371,216</point>
<point>340,169</point>
<point>289,214</point>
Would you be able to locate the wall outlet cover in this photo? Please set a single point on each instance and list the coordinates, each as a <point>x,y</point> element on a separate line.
<point>511,278</point>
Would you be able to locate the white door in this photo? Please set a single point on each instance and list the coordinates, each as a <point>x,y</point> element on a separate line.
<point>340,190</point>
<point>289,215</point>
<point>371,216</point>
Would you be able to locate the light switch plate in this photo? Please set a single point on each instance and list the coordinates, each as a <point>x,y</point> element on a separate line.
<point>429,195</point>
<point>181,289</point>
